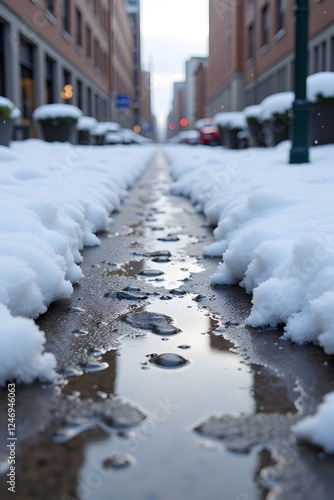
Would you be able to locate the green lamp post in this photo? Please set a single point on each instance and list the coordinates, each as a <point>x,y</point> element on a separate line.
<point>300,110</point>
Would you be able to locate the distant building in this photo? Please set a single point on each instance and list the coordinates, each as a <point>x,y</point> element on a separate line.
<point>190,90</point>
<point>200,90</point>
<point>133,10</point>
<point>177,109</point>
<point>251,49</point>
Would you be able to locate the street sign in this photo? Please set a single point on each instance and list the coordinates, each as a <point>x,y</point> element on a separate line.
<point>123,101</point>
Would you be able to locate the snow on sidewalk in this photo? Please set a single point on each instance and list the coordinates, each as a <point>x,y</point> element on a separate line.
<point>274,229</point>
<point>54,198</point>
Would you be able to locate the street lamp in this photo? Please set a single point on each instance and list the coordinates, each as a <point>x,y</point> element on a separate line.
<point>300,109</point>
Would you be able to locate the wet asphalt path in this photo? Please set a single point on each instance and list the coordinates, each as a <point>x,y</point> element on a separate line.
<point>163,392</point>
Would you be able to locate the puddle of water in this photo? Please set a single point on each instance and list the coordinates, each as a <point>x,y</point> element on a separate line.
<point>169,459</point>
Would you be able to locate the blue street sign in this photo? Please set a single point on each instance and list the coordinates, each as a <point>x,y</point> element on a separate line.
<point>123,101</point>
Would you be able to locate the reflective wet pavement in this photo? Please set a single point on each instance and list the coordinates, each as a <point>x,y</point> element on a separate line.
<point>164,392</point>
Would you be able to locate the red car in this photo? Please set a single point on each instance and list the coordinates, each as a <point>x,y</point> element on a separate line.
<point>209,134</point>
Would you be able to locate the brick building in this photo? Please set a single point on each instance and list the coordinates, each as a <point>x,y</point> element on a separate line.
<point>47,44</point>
<point>251,49</point>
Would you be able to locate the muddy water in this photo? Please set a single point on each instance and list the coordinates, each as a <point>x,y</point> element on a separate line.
<point>164,392</point>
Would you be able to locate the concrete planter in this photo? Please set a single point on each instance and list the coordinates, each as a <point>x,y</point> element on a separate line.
<point>6,131</point>
<point>276,130</point>
<point>85,138</point>
<point>231,139</point>
<point>321,119</point>
<point>64,132</point>
<point>256,134</point>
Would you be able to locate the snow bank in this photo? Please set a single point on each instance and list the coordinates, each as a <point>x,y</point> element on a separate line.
<point>274,231</point>
<point>54,198</point>
<point>14,110</point>
<point>319,428</point>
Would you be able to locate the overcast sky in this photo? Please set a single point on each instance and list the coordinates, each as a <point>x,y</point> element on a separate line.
<point>172,31</point>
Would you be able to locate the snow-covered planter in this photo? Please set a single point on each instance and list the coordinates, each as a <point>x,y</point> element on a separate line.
<point>8,113</point>
<point>255,126</point>
<point>275,110</point>
<point>100,131</point>
<point>84,127</point>
<point>230,125</point>
<point>57,122</point>
<point>320,94</point>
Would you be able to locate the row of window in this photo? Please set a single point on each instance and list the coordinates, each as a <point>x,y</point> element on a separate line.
<point>92,47</point>
<point>265,20</point>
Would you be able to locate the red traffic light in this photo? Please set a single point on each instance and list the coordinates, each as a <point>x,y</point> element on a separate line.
<point>172,126</point>
<point>183,122</point>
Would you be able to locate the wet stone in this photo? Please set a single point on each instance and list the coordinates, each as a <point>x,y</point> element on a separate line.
<point>165,297</point>
<point>199,297</point>
<point>177,292</point>
<point>127,295</point>
<point>161,260</point>
<point>95,366</point>
<point>118,461</point>
<point>150,273</point>
<point>184,346</point>
<point>80,333</point>
<point>169,360</point>
<point>169,238</point>
<point>155,322</point>
<point>72,371</point>
<point>94,351</point>
<point>231,324</point>
<point>158,253</point>
<point>75,310</point>
<point>71,429</point>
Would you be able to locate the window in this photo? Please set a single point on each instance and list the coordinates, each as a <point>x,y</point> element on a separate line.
<point>280,12</point>
<point>265,25</point>
<point>78,30</point>
<point>323,56</point>
<point>50,6</point>
<point>49,91</point>
<point>88,42</point>
<point>251,41</point>
<point>2,60</point>
<point>27,78</point>
<point>89,101</point>
<point>316,59</point>
<point>79,94</point>
<point>66,15</point>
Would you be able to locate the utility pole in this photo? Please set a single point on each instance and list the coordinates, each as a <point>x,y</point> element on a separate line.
<point>300,110</point>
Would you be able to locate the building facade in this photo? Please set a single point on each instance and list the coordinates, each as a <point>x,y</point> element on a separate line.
<point>225,61</point>
<point>251,49</point>
<point>85,45</point>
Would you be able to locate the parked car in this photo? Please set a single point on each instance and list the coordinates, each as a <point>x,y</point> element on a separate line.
<point>209,133</point>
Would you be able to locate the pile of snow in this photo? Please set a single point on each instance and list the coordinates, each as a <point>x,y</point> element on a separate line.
<point>274,231</point>
<point>252,111</point>
<point>52,111</point>
<point>14,110</point>
<point>102,128</point>
<point>231,120</point>
<point>54,198</point>
<point>86,123</point>
<point>319,428</point>
<point>276,104</point>
<point>320,84</point>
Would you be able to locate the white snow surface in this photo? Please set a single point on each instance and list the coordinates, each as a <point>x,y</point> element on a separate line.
<point>54,198</point>
<point>318,429</point>
<point>278,103</point>
<point>274,229</point>
<point>15,112</point>
<point>320,83</point>
<point>56,111</point>
<point>86,123</point>
<point>231,120</point>
<point>252,111</point>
